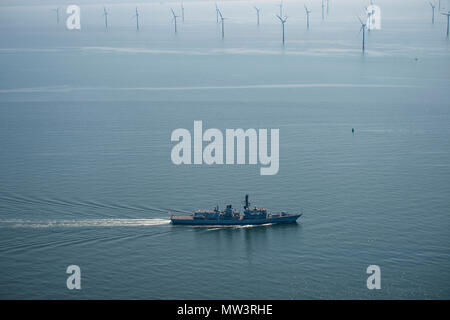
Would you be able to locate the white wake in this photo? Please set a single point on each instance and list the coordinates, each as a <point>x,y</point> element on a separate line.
<point>83,223</point>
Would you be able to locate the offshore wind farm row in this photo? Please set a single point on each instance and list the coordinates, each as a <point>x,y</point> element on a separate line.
<point>367,19</point>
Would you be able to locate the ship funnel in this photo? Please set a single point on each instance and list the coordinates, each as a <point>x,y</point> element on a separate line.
<point>247,204</point>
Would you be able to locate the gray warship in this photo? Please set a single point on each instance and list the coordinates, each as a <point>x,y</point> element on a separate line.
<point>230,216</point>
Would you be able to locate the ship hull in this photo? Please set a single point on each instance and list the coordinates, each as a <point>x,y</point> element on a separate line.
<point>292,218</point>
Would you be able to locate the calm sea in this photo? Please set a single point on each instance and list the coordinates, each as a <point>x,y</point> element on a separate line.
<point>86,176</point>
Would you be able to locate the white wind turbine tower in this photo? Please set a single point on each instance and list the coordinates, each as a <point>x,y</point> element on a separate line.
<point>105,14</point>
<point>182,11</point>
<point>223,25</point>
<point>448,17</point>
<point>137,18</point>
<point>323,7</point>
<point>257,15</point>
<point>328,6</point>
<point>307,17</point>
<point>57,15</point>
<point>363,28</point>
<point>174,19</point>
<point>433,6</point>
<point>283,21</point>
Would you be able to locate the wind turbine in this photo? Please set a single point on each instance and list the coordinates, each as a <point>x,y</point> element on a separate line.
<point>448,15</point>
<point>174,19</point>
<point>283,21</point>
<point>307,17</point>
<point>223,26</point>
<point>323,6</point>
<point>137,18</point>
<point>328,5</point>
<point>105,14</point>
<point>257,15</point>
<point>432,9</point>
<point>182,11</point>
<point>57,15</point>
<point>363,28</point>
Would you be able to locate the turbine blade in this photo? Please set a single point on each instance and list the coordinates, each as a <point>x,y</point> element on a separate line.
<point>360,21</point>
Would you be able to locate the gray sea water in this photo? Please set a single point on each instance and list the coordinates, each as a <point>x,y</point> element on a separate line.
<point>86,176</point>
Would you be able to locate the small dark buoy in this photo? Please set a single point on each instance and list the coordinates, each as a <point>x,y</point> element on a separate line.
<point>353,130</point>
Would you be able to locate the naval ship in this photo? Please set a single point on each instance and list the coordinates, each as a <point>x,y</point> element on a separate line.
<point>230,216</point>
